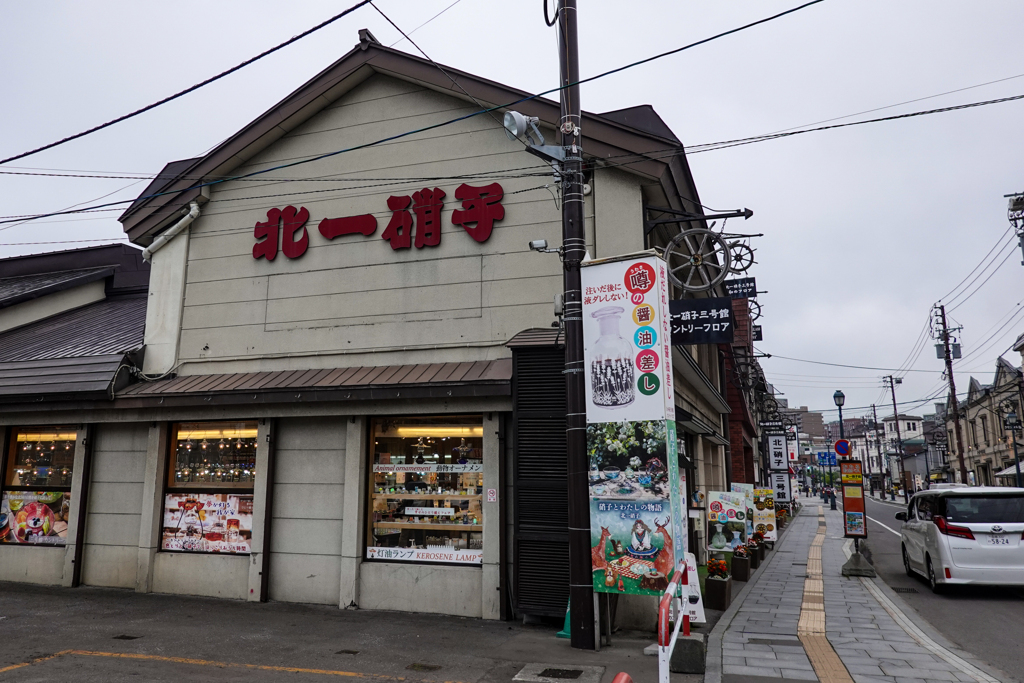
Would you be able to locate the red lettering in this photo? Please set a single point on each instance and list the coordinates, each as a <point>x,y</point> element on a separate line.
<point>399,230</point>
<point>481,208</point>
<point>349,225</point>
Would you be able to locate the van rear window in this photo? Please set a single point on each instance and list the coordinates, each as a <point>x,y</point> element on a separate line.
<point>985,509</point>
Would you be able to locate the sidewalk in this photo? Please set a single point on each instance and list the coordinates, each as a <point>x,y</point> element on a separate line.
<point>803,620</point>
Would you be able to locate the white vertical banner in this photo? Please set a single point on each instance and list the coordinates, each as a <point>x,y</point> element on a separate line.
<point>637,514</point>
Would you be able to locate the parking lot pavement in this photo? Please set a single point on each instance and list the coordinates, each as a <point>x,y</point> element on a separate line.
<point>94,634</point>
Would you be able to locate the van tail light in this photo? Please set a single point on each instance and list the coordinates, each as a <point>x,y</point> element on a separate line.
<point>949,575</point>
<point>952,529</point>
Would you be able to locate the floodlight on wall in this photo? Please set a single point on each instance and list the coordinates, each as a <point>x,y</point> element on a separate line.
<point>524,128</point>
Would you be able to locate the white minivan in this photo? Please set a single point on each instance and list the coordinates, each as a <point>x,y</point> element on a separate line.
<point>967,535</point>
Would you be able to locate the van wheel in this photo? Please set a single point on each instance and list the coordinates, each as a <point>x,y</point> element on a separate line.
<point>937,588</point>
<point>906,561</point>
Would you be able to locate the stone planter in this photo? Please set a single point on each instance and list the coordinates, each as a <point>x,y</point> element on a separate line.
<point>717,593</point>
<point>741,568</point>
<point>754,558</point>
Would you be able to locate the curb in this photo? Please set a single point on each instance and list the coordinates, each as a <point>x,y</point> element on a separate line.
<point>713,659</point>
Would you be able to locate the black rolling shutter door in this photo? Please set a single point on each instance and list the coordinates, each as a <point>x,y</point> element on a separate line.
<point>541,485</point>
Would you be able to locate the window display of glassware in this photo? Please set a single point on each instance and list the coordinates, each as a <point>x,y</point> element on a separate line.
<point>426,485</point>
<point>218,454</point>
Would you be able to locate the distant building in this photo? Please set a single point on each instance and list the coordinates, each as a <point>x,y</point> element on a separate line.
<point>807,422</point>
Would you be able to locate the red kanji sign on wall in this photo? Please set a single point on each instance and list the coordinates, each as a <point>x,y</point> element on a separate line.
<point>415,220</point>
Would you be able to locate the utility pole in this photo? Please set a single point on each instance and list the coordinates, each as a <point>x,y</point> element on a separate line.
<point>878,446</point>
<point>581,587</point>
<point>893,381</point>
<point>952,394</point>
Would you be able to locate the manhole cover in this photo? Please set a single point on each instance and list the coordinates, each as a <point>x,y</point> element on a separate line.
<point>423,667</point>
<point>565,674</point>
<point>902,589</point>
<point>124,637</point>
<point>347,652</point>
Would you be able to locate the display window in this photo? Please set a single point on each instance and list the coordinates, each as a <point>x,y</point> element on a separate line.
<point>208,499</point>
<point>36,498</point>
<point>426,490</point>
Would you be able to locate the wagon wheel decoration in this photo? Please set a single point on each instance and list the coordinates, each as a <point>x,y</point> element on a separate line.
<point>755,310</point>
<point>742,257</point>
<point>703,263</point>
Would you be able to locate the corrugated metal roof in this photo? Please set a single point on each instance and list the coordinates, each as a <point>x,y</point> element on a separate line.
<point>424,374</point>
<point>14,290</point>
<point>111,326</point>
<point>537,336</point>
<point>88,377</point>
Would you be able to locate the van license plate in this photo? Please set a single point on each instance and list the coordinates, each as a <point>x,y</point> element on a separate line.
<point>998,540</point>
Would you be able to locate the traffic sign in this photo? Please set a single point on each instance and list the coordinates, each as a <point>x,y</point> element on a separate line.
<point>842,447</point>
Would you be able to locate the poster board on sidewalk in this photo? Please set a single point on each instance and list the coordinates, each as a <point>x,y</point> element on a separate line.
<point>727,520</point>
<point>747,490</point>
<point>694,607</point>
<point>854,523</point>
<point>764,513</point>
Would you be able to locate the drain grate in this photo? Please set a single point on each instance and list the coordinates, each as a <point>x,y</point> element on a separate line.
<point>423,667</point>
<point>347,652</point>
<point>772,641</point>
<point>563,674</point>
<point>124,637</point>
<point>799,564</point>
<point>902,589</point>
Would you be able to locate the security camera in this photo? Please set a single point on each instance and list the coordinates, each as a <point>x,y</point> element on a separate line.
<point>539,245</point>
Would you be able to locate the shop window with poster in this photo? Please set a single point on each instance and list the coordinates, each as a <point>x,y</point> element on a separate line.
<point>426,489</point>
<point>36,496</point>
<point>209,493</point>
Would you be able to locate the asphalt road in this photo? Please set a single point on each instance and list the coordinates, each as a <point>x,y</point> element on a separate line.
<point>985,621</point>
<point>104,635</point>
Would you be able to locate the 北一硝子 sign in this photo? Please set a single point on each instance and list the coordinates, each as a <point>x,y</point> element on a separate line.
<point>701,321</point>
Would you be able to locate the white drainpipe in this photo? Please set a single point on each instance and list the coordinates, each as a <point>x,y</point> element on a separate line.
<point>168,235</point>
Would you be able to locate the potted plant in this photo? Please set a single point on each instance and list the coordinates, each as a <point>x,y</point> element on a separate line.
<point>758,539</point>
<point>718,586</point>
<point>741,563</point>
<point>780,517</point>
<point>753,553</point>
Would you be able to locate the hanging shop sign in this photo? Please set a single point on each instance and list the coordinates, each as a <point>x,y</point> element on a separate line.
<point>781,484</point>
<point>757,334</point>
<point>207,522</point>
<point>727,520</point>
<point>764,513</point>
<point>773,428</point>
<point>778,457</point>
<point>415,220</point>
<point>852,477</point>
<point>34,517</point>
<point>741,288</point>
<point>636,507</point>
<point>702,321</point>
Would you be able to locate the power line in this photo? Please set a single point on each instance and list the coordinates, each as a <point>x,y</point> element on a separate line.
<point>983,282</point>
<point>189,89</point>
<point>984,258</point>
<point>841,365</point>
<point>456,119</point>
<point>725,144</point>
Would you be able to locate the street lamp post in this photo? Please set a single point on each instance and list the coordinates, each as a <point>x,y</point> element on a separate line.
<point>840,398</point>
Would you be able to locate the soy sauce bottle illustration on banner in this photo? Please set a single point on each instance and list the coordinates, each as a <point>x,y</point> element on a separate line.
<point>611,365</point>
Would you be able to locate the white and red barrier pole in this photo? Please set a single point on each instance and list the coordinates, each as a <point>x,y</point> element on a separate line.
<point>667,636</point>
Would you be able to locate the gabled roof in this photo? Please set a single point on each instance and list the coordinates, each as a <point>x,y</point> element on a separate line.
<point>636,131</point>
<point>130,272</point>
<point>1005,370</point>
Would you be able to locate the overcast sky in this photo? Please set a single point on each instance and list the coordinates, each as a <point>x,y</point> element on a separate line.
<point>865,227</point>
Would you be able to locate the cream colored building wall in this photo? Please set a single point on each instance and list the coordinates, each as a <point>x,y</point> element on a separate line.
<point>51,304</point>
<point>354,300</point>
<point>110,556</point>
<point>308,498</point>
